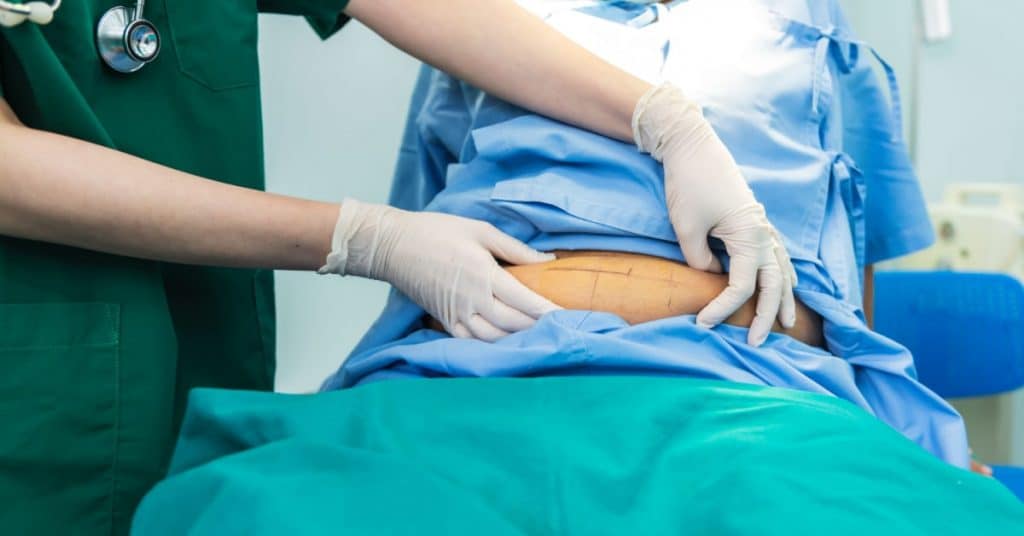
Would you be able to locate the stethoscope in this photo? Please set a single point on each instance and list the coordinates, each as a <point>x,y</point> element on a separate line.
<point>126,41</point>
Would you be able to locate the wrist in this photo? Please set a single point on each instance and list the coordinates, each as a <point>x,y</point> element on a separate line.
<point>322,218</point>
<point>666,120</point>
<point>359,241</point>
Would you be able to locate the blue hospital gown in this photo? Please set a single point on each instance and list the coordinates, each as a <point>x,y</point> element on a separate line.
<point>793,95</point>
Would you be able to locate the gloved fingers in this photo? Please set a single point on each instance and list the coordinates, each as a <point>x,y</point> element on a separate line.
<point>507,318</point>
<point>787,310</point>
<point>769,299</point>
<point>509,249</point>
<point>509,291</point>
<point>742,279</point>
<point>482,329</point>
<point>459,330</point>
<point>785,261</point>
<point>698,253</point>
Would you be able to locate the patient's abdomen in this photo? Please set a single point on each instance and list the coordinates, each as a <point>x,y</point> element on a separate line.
<point>641,288</point>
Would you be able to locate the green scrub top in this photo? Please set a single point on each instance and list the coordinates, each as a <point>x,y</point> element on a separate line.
<point>98,351</point>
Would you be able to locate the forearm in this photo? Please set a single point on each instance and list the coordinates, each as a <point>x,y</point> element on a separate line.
<point>503,49</point>
<point>62,190</point>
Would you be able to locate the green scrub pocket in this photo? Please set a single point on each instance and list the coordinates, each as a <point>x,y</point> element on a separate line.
<point>58,416</point>
<point>217,59</point>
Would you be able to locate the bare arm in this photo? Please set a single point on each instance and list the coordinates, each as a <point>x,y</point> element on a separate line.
<point>503,49</point>
<point>59,189</point>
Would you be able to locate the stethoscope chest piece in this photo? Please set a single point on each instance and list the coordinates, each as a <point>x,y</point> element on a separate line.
<point>125,40</point>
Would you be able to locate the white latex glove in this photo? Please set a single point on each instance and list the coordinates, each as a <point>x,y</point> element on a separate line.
<point>444,263</point>
<point>708,196</point>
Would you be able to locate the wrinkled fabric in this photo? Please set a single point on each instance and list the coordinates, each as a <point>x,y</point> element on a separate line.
<point>559,456</point>
<point>792,93</point>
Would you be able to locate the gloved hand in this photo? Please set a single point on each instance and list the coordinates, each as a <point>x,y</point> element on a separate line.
<point>707,196</point>
<point>444,263</point>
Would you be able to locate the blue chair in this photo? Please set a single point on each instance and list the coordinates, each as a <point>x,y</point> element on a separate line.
<point>965,330</point>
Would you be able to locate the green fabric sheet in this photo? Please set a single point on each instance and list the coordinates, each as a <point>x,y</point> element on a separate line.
<point>595,455</point>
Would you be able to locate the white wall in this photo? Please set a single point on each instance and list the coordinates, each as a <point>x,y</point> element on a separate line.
<point>333,115</point>
<point>970,124</point>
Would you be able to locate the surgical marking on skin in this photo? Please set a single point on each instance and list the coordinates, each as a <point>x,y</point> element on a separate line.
<point>670,280</point>
<point>580,269</point>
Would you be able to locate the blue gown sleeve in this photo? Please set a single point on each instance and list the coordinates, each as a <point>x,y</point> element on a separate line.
<point>436,128</point>
<point>896,217</point>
